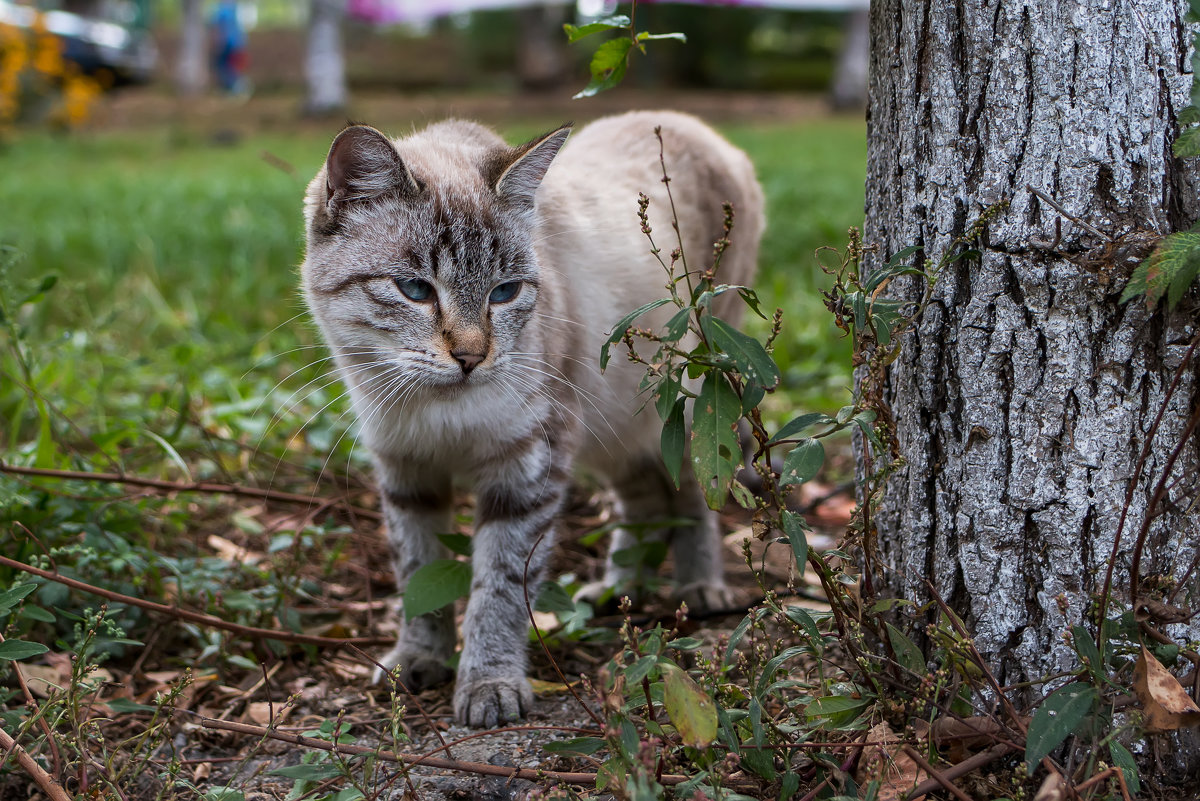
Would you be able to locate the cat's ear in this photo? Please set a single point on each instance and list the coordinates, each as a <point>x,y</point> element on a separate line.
<point>363,164</point>
<point>524,167</point>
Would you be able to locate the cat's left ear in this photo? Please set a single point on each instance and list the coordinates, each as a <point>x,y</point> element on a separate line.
<point>526,165</point>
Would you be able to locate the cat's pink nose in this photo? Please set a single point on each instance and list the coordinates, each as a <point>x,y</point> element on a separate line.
<point>467,360</point>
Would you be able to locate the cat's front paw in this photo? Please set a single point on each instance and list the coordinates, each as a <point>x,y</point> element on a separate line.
<point>418,669</point>
<point>703,596</point>
<point>487,702</point>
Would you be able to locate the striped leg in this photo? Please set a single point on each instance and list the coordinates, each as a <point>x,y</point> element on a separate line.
<point>417,506</point>
<point>516,509</point>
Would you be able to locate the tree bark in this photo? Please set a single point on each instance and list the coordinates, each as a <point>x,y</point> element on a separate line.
<point>191,70</point>
<point>1024,395</point>
<point>325,62</point>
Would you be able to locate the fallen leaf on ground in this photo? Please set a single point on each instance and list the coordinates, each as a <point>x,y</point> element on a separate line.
<point>1052,789</point>
<point>884,760</point>
<point>1167,704</point>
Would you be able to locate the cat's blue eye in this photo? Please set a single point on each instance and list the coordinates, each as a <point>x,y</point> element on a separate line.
<point>416,289</point>
<point>505,292</point>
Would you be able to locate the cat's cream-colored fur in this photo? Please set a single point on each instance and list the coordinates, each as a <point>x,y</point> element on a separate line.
<point>465,288</point>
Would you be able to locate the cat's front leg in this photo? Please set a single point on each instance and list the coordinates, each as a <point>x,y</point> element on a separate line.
<point>417,506</point>
<point>515,517</point>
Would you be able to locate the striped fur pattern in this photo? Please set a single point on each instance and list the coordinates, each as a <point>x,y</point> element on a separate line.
<point>464,287</point>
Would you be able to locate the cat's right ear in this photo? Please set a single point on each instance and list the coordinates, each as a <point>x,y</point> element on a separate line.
<point>362,165</point>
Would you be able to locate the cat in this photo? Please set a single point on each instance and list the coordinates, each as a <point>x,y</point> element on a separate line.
<point>465,288</point>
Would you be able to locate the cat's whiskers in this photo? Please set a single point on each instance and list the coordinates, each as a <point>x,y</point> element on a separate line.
<point>290,404</point>
<point>538,388</point>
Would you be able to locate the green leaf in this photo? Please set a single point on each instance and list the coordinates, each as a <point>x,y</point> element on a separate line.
<point>799,614</point>
<point>618,332</point>
<point>577,32</point>
<point>836,710</point>
<point>1055,720</point>
<point>1169,270</point>
<point>803,462</point>
<point>908,654</point>
<point>666,393</point>
<point>641,668</point>
<point>751,358</point>
<point>1085,646</point>
<point>316,772</point>
<point>1188,115</point>
<point>553,598</point>
<point>20,649</point>
<point>223,793</point>
<point>794,527</point>
<point>37,613</point>
<point>1188,144</point>
<point>677,326</point>
<point>12,597</point>
<point>608,66</point>
<point>45,286</point>
<point>582,746</point>
<point>673,440</point>
<point>691,710</point>
<point>434,585</point>
<point>742,495</point>
<point>457,543</point>
<point>794,427</point>
<point>716,453</point>
<point>1124,760</point>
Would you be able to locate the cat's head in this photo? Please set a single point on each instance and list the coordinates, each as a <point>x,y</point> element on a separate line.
<point>420,258</point>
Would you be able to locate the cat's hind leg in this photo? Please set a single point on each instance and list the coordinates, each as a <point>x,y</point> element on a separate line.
<point>654,513</point>
<point>417,506</point>
<point>646,513</point>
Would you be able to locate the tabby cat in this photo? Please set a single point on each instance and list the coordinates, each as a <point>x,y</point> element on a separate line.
<point>465,287</point>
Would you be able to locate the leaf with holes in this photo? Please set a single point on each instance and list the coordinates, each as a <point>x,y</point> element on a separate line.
<point>715,449</point>
<point>434,585</point>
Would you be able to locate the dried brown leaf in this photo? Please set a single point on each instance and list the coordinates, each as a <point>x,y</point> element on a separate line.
<point>1167,704</point>
<point>1054,788</point>
<point>884,759</point>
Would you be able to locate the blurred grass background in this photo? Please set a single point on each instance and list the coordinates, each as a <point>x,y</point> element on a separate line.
<point>175,256</point>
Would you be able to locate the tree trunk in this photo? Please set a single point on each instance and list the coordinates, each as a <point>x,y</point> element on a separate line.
<point>191,70</point>
<point>1024,396</point>
<point>325,63</point>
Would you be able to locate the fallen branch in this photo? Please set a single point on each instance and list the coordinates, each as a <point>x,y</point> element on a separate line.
<point>208,487</point>
<point>961,769</point>
<point>938,776</point>
<point>196,617</point>
<point>414,760</point>
<point>44,780</point>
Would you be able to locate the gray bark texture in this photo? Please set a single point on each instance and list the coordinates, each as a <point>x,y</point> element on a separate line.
<point>1024,396</point>
<point>325,62</point>
<point>191,69</point>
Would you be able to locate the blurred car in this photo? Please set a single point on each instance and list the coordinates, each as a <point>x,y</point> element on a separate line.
<point>105,38</point>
